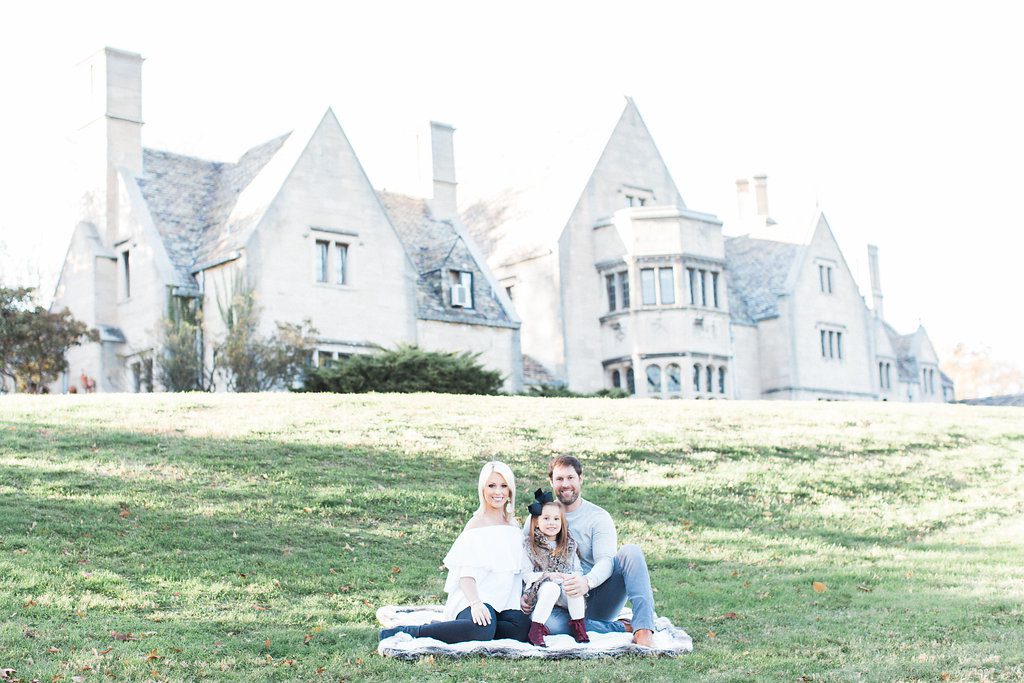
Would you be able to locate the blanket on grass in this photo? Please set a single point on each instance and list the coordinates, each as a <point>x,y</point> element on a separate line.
<point>668,640</point>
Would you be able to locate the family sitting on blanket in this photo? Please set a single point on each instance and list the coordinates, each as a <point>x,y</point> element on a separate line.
<point>490,561</point>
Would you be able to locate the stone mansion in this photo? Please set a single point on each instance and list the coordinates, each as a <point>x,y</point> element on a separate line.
<point>663,305</point>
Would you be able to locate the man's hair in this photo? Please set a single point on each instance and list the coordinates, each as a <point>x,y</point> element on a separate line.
<point>565,461</point>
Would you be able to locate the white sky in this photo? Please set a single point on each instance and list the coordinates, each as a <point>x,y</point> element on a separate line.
<point>903,121</point>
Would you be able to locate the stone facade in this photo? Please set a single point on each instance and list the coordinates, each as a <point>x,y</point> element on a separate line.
<point>296,219</point>
<point>640,292</point>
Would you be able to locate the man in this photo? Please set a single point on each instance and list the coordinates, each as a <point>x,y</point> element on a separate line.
<point>609,577</point>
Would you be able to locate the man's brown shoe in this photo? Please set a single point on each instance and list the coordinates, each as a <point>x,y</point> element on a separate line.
<point>627,625</point>
<point>644,637</point>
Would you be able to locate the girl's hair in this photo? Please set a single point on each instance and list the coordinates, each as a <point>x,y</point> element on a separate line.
<point>561,540</point>
<point>510,479</point>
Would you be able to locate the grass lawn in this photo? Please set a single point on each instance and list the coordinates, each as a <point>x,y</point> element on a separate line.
<point>251,538</point>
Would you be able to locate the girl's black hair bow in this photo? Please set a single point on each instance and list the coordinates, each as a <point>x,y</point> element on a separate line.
<point>543,498</point>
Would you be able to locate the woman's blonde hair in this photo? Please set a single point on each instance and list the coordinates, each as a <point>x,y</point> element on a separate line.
<point>561,540</point>
<point>510,479</point>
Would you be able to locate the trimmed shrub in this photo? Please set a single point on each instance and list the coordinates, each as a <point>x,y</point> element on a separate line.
<point>405,370</point>
<point>560,391</point>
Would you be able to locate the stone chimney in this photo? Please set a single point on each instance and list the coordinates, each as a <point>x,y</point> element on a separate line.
<point>109,134</point>
<point>761,196</point>
<point>753,202</point>
<point>442,148</point>
<point>876,282</point>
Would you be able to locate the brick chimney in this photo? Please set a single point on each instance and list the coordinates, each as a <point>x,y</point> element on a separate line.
<point>109,134</point>
<point>443,154</point>
<point>876,281</point>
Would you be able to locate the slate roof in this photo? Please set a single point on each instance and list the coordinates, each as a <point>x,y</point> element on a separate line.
<point>190,200</point>
<point>436,248</point>
<point>534,372</point>
<point>756,271</point>
<point>902,344</point>
<point>1008,400</point>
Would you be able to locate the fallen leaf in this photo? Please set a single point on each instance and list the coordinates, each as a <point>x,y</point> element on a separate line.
<point>307,510</point>
<point>125,513</point>
<point>344,589</point>
<point>308,637</point>
<point>943,676</point>
<point>367,602</point>
<point>19,551</point>
<point>30,603</point>
<point>123,637</point>
<point>266,643</point>
<point>260,608</point>
<point>320,669</point>
<point>151,655</point>
<point>819,587</point>
<point>866,589</point>
<point>359,662</point>
<point>711,634</point>
<point>106,652</point>
<point>731,615</point>
<point>53,650</point>
<point>395,569</point>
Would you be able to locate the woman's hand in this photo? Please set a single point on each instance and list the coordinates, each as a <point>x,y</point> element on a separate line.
<point>481,615</point>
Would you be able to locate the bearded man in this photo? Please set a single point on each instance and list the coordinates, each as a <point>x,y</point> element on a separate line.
<point>611,575</point>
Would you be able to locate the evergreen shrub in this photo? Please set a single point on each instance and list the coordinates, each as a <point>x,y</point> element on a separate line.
<point>406,369</point>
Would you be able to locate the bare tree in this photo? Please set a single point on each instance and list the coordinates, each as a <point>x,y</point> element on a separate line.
<point>978,375</point>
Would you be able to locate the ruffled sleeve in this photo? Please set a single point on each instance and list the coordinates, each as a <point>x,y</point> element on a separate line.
<point>493,556</point>
<point>484,550</point>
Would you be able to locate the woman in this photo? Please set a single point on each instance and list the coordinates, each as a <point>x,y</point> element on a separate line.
<point>485,579</point>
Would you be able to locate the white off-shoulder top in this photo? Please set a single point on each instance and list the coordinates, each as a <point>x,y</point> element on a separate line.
<point>493,555</point>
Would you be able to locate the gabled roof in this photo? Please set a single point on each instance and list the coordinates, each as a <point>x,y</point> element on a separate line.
<point>758,274</point>
<point>205,211</point>
<point>903,345</point>
<point>436,247</point>
<point>190,200</point>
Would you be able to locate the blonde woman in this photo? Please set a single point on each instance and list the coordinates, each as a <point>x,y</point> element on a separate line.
<point>485,580</point>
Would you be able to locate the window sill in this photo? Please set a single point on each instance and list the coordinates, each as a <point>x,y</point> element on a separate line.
<point>331,285</point>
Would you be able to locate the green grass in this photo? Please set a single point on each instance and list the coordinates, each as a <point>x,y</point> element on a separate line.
<point>252,538</point>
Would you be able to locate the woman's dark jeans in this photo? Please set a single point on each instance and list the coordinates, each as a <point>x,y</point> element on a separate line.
<point>511,623</point>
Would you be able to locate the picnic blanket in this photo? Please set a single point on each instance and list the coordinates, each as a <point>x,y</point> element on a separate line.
<point>668,640</point>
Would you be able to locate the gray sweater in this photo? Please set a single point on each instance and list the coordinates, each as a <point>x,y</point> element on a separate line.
<point>594,532</point>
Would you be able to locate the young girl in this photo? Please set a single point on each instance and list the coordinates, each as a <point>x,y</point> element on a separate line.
<point>551,558</point>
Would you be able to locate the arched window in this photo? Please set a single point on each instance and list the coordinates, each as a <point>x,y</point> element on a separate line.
<point>616,379</point>
<point>696,377</point>
<point>653,380</point>
<point>721,379</point>
<point>630,381</point>
<point>709,385</point>
<point>673,379</point>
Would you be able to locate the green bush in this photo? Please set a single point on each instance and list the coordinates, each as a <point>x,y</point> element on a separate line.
<point>405,370</point>
<point>560,391</point>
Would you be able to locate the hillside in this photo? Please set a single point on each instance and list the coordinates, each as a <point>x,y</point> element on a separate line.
<point>252,537</point>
